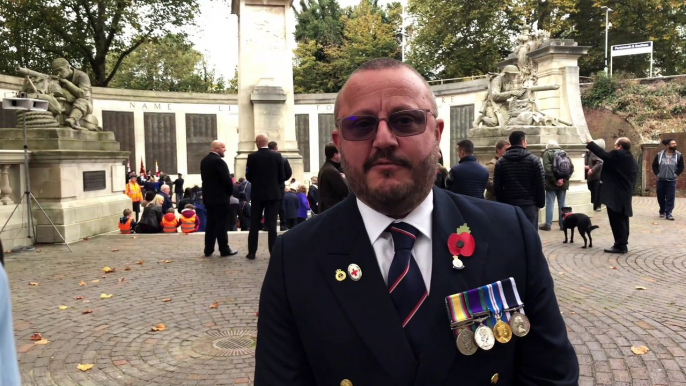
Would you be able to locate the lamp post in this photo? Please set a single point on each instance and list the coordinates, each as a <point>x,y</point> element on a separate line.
<point>607,26</point>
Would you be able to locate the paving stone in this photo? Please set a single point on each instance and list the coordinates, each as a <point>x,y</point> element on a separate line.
<point>605,314</point>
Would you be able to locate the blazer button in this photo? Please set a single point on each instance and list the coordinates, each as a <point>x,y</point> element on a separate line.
<point>346,382</point>
<point>494,379</point>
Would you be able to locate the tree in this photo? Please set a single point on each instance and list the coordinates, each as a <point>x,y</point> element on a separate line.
<point>458,38</point>
<point>86,32</point>
<point>169,64</point>
<point>320,21</point>
<point>369,31</point>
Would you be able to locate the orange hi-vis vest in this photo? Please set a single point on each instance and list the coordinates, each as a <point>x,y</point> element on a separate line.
<point>168,226</point>
<point>134,192</point>
<point>125,228</point>
<point>187,224</point>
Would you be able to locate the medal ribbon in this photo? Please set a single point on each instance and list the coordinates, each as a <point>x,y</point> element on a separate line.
<point>486,301</point>
<point>457,309</point>
<point>492,303</point>
<point>511,296</point>
<point>475,303</point>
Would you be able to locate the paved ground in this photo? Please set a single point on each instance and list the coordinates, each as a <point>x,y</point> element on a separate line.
<point>200,345</point>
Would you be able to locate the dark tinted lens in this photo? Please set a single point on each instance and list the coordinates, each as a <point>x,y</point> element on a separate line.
<point>406,123</point>
<point>357,128</point>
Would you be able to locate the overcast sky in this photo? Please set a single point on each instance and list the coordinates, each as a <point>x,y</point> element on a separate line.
<point>216,35</point>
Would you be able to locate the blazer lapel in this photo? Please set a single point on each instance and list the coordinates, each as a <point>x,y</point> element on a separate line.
<point>366,302</point>
<point>440,348</point>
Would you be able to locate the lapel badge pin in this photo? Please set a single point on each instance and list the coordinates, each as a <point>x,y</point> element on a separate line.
<point>461,243</point>
<point>355,272</point>
<point>340,275</point>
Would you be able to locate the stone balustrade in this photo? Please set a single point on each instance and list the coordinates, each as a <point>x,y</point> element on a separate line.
<point>11,190</point>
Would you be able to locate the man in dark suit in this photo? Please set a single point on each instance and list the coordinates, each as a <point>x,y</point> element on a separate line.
<point>216,190</point>
<point>283,223</point>
<point>330,313</point>
<point>468,177</point>
<point>332,186</point>
<point>617,178</point>
<point>265,172</point>
<point>313,196</point>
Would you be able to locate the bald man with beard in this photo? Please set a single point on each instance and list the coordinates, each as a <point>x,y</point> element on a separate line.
<point>216,190</point>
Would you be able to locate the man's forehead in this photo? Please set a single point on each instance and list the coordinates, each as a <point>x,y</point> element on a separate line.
<point>396,85</point>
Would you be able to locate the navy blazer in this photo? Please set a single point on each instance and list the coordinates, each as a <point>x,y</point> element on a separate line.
<point>315,330</point>
<point>469,177</point>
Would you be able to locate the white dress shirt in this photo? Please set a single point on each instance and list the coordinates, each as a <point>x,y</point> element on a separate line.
<point>382,241</point>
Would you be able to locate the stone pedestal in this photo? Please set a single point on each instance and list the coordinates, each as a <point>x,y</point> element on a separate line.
<point>265,80</point>
<point>557,62</point>
<point>78,179</point>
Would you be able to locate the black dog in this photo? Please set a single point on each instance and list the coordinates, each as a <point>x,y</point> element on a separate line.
<point>579,220</point>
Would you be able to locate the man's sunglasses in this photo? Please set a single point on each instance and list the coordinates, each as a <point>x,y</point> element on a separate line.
<point>404,123</point>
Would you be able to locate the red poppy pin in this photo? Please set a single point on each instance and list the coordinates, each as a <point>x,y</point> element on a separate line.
<point>461,243</point>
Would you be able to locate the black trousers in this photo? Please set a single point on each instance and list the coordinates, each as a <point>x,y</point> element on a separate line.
<point>594,188</point>
<point>283,222</point>
<point>217,217</point>
<point>619,222</point>
<point>292,222</point>
<point>271,209</point>
<point>531,213</point>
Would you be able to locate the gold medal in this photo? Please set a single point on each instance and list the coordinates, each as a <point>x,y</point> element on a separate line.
<point>520,324</point>
<point>484,337</point>
<point>502,332</point>
<point>465,342</point>
<point>340,275</point>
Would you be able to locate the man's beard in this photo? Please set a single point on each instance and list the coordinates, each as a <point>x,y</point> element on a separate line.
<point>401,200</point>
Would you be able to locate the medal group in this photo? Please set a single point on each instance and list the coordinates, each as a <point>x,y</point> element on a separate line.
<point>481,316</point>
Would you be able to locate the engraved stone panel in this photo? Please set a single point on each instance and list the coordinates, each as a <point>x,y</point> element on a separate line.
<point>302,134</point>
<point>8,118</point>
<point>121,124</point>
<point>327,124</point>
<point>461,118</point>
<point>160,142</point>
<point>201,130</point>
<point>94,180</point>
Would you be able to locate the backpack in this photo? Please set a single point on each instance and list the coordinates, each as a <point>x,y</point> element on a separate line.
<point>562,166</point>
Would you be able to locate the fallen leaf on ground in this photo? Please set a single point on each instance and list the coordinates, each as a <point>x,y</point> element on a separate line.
<point>641,288</point>
<point>105,296</point>
<point>257,313</point>
<point>36,336</point>
<point>561,273</point>
<point>214,305</point>
<point>115,250</point>
<point>85,239</point>
<point>86,301</point>
<point>166,300</point>
<point>79,297</point>
<point>139,262</point>
<point>82,283</point>
<point>134,237</point>
<point>95,281</point>
<point>33,283</point>
<point>654,223</point>
<point>8,252</point>
<point>85,367</point>
<point>572,313</point>
<point>164,261</point>
<point>62,307</point>
<point>640,350</point>
<point>159,327</point>
<point>42,342</point>
<point>86,312</point>
<point>108,269</point>
<point>121,279</point>
<point>127,268</point>
<point>613,267</point>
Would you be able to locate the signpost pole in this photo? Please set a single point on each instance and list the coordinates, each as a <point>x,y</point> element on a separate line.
<point>651,64</point>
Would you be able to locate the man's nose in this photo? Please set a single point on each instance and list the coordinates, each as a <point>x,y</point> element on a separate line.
<point>384,136</point>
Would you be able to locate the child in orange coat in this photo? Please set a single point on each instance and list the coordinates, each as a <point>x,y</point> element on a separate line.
<point>169,222</point>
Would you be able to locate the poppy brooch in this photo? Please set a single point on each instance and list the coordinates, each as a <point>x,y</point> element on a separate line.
<point>461,243</point>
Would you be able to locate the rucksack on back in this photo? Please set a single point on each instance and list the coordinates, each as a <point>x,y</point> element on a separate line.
<point>562,166</point>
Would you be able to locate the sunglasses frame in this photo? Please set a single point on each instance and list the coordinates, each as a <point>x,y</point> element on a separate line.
<point>378,120</point>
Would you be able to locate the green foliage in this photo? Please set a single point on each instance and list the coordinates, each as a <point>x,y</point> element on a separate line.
<point>169,64</point>
<point>601,92</point>
<point>322,65</point>
<point>90,34</point>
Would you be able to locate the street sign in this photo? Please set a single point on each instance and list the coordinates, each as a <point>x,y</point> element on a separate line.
<point>632,49</point>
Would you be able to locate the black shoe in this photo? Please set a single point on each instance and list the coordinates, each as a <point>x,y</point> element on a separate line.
<point>231,253</point>
<point>669,217</point>
<point>544,227</point>
<point>615,250</point>
<point>250,256</point>
<point>662,215</point>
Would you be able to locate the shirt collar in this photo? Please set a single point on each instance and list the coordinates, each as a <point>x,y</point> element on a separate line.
<point>376,223</point>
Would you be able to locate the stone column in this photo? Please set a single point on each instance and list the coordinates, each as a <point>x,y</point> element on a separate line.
<point>5,188</point>
<point>265,80</point>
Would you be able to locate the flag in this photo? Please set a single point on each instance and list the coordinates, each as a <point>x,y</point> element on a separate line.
<point>157,170</point>
<point>142,168</point>
<point>128,166</point>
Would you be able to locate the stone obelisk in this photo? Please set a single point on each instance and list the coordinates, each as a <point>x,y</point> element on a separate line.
<point>265,80</point>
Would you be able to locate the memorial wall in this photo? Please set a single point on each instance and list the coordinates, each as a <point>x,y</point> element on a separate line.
<point>175,129</point>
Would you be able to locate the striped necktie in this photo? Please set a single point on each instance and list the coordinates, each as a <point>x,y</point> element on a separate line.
<point>406,284</point>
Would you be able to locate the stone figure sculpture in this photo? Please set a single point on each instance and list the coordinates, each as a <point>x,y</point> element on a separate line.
<point>501,87</point>
<point>527,42</point>
<point>68,93</point>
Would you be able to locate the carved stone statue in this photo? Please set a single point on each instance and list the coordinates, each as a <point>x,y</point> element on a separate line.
<point>68,93</point>
<point>528,41</point>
